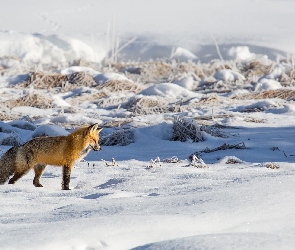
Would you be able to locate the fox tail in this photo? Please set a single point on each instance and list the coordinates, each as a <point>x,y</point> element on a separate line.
<point>7,165</point>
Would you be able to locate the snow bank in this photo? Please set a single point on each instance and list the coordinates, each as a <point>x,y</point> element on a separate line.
<point>74,119</point>
<point>186,82</point>
<point>267,84</point>
<point>169,90</point>
<point>49,130</point>
<point>241,53</point>
<point>38,48</point>
<point>59,102</point>
<point>182,54</point>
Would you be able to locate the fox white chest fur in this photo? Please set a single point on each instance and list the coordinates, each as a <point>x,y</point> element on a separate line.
<point>85,152</point>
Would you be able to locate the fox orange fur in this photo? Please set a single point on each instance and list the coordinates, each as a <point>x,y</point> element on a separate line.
<point>61,151</point>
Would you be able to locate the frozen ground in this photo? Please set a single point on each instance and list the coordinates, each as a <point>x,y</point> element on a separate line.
<point>149,72</point>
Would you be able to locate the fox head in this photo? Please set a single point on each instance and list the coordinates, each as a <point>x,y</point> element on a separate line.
<point>93,136</point>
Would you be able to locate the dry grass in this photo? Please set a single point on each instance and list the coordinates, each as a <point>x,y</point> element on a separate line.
<point>160,70</point>
<point>7,117</point>
<point>81,79</point>
<point>41,80</point>
<point>111,101</point>
<point>256,68</point>
<point>116,123</point>
<point>87,97</point>
<point>112,86</point>
<point>255,120</point>
<point>32,100</point>
<point>286,94</point>
<point>146,105</point>
<point>149,105</point>
<point>102,99</point>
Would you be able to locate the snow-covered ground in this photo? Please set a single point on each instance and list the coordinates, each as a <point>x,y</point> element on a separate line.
<point>145,71</point>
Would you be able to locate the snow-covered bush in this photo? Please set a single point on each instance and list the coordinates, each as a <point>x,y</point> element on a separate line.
<point>186,129</point>
<point>224,146</point>
<point>231,160</point>
<point>198,162</point>
<point>214,131</point>
<point>11,139</point>
<point>121,137</point>
<point>23,125</point>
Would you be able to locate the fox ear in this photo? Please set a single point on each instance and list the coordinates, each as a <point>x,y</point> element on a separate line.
<point>93,127</point>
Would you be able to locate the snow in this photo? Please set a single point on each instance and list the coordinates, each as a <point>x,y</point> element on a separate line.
<point>44,49</point>
<point>267,84</point>
<point>241,53</point>
<point>182,54</point>
<point>49,130</point>
<point>75,69</point>
<point>237,202</point>
<point>186,82</point>
<point>102,78</point>
<point>228,75</point>
<point>169,90</point>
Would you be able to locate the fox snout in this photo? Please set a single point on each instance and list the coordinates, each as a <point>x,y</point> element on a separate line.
<point>96,147</point>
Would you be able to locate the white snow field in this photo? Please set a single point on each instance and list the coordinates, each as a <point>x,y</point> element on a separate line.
<point>196,100</point>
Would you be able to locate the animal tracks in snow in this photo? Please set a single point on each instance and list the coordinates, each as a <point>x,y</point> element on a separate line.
<point>45,17</point>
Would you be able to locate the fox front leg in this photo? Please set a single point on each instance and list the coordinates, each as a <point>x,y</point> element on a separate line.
<point>39,169</point>
<point>66,176</point>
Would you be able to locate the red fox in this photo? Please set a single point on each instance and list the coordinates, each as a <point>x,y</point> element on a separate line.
<point>61,151</point>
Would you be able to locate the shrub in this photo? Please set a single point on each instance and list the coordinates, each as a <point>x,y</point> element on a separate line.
<point>120,137</point>
<point>12,139</point>
<point>186,129</point>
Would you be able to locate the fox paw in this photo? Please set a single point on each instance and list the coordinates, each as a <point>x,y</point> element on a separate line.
<point>11,181</point>
<point>38,185</point>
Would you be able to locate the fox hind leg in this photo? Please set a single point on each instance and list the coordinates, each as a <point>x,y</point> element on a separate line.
<point>39,169</point>
<point>18,174</point>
